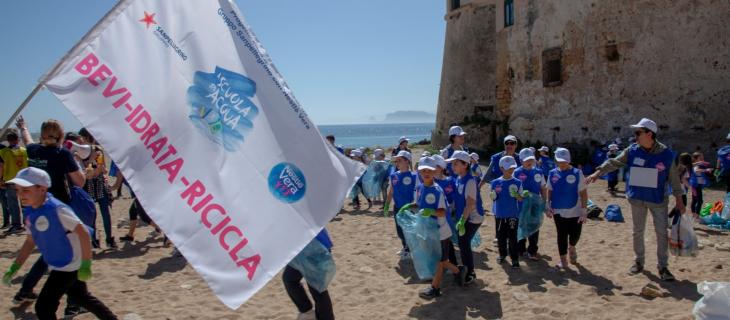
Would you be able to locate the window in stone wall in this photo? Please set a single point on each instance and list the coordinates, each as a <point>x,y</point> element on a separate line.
<point>552,67</point>
<point>509,13</point>
<point>612,52</point>
<point>455,4</point>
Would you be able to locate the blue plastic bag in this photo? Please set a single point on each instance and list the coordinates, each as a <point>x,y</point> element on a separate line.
<point>84,207</point>
<point>372,179</point>
<point>726,208</point>
<point>531,216</point>
<point>423,239</point>
<point>316,265</point>
<point>476,240</point>
<point>713,219</point>
<point>613,213</point>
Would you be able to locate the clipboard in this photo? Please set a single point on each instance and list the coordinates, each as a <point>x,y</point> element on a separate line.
<point>643,177</point>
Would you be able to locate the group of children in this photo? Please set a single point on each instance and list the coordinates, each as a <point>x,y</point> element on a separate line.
<point>448,189</point>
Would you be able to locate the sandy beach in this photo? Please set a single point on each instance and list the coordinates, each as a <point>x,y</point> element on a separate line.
<point>142,280</point>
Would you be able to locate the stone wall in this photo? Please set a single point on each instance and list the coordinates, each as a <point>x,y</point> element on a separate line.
<point>621,60</point>
<point>467,95</point>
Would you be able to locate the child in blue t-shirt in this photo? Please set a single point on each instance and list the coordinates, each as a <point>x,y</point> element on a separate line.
<point>400,193</point>
<point>468,216</point>
<point>505,194</point>
<point>432,200</point>
<point>568,200</point>
<point>533,181</point>
<point>698,179</point>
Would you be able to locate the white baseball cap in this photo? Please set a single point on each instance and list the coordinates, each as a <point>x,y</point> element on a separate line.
<point>456,131</point>
<point>728,137</point>
<point>440,161</point>
<point>507,162</point>
<point>613,147</point>
<point>544,149</point>
<point>510,138</point>
<point>403,138</point>
<point>646,124</point>
<point>527,154</point>
<point>425,154</point>
<point>459,155</point>
<point>83,150</point>
<point>474,156</point>
<point>378,152</point>
<point>32,177</point>
<point>426,163</point>
<point>356,153</point>
<point>562,155</point>
<point>404,154</point>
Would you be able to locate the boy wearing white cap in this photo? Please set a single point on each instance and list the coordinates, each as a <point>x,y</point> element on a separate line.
<point>612,177</point>
<point>465,206</point>
<point>723,162</point>
<point>567,202</point>
<point>506,192</point>
<point>533,181</point>
<point>544,161</point>
<point>456,139</point>
<point>64,243</point>
<point>651,168</point>
<point>432,200</point>
<point>401,192</point>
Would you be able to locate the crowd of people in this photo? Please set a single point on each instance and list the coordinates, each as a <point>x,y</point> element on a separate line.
<point>53,190</point>
<point>447,187</point>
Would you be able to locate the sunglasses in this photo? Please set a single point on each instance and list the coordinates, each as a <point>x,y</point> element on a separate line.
<point>639,132</point>
<point>510,143</point>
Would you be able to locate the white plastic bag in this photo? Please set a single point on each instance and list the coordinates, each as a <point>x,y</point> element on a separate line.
<point>715,305</point>
<point>683,240</point>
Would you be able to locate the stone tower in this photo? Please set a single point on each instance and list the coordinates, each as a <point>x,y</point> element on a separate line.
<point>467,91</point>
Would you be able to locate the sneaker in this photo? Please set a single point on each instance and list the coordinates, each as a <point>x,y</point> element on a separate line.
<point>126,238</point>
<point>636,268</point>
<point>430,293</point>
<point>95,244</point>
<point>665,275</point>
<point>15,230</point>
<point>501,260</point>
<point>110,243</point>
<point>309,315</point>
<point>515,264</point>
<point>470,278</point>
<point>21,297</point>
<point>72,311</point>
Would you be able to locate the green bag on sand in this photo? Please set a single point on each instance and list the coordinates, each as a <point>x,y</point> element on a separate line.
<point>706,210</point>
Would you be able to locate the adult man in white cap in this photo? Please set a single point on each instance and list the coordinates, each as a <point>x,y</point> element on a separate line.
<point>723,162</point>
<point>456,139</point>
<point>510,149</point>
<point>651,168</point>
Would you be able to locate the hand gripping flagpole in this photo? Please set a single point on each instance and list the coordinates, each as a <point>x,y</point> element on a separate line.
<point>90,35</point>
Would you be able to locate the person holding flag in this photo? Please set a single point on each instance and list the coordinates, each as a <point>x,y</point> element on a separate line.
<point>64,243</point>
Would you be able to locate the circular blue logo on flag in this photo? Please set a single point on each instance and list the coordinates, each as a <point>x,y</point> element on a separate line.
<point>287,182</point>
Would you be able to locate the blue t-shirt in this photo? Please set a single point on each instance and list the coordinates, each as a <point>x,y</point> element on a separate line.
<point>404,187</point>
<point>58,163</point>
<point>505,206</point>
<point>723,154</point>
<point>532,179</point>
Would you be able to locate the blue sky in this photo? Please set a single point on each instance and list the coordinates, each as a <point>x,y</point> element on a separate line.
<point>345,60</point>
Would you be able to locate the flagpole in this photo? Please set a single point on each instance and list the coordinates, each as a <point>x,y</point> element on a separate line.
<point>92,33</point>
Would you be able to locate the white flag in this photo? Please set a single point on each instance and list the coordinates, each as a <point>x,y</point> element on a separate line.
<point>211,139</point>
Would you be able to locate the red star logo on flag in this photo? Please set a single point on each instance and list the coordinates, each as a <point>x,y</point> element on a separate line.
<point>149,19</point>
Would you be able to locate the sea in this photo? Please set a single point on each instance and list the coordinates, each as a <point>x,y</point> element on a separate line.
<point>380,135</point>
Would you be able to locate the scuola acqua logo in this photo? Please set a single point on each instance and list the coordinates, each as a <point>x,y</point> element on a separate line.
<point>287,182</point>
<point>221,106</point>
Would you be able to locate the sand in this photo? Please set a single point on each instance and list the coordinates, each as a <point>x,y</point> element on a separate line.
<point>141,280</point>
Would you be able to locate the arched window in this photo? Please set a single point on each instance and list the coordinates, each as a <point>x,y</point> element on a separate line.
<point>509,13</point>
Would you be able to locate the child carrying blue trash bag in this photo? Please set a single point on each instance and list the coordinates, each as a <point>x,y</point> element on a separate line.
<point>375,175</point>
<point>532,207</point>
<point>315,264</point>
<point>427,232</point>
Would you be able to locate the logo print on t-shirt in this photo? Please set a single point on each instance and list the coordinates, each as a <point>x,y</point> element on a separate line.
<point>555,178</point>
<point>430,198</point>
<point>513,188</point>
<point>41,224</point>
<point>660,166</point>
<point>498,188</point>
<point>570,179</point>
<point>538,178</point>
<point>407,181</point>
<point>522,177</point>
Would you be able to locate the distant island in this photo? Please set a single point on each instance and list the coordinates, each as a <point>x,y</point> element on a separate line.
<point>410,117</point>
